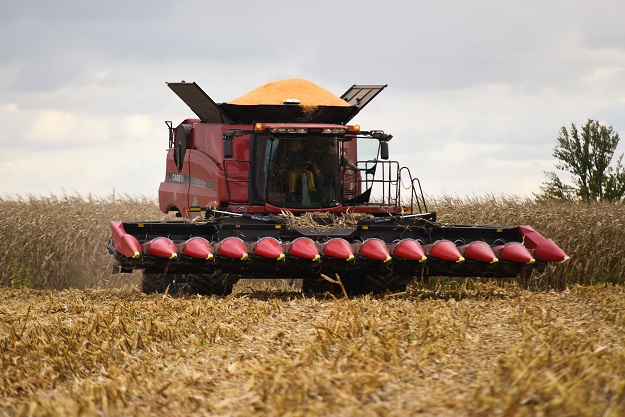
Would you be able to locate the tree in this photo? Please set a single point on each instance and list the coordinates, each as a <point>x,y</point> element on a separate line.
<point>555,189</point>
<point>586,155</point>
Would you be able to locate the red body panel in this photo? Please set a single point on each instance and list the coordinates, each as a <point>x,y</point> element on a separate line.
<point>201,182</point>
<point>207,179</point>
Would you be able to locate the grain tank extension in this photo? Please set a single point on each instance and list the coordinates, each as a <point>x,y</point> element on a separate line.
<point>278,184</point>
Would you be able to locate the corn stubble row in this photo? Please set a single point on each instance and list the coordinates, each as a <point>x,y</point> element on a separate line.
<point>119,352</point>
<point>476,348</point>
<point>59,242</point>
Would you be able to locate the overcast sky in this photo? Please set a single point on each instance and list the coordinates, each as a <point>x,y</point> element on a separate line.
<point>477,91</point>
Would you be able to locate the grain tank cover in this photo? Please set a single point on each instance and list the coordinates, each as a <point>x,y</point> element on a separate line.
<point>201,104</point>
<point>360,95</point>
<point>248,112</point>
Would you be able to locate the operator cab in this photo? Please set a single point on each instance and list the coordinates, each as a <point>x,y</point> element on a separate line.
<point>301,171</point>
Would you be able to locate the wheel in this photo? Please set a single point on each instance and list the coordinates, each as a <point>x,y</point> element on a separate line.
<point>159,282</point>
<point>218,283</point>
<point>354,284</point>
<point>398,283</point>
<point>357,284</point>
<point>319,285</point>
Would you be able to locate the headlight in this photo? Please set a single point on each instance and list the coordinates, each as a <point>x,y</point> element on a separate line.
<point>334,131</point>
<point>288,130</point>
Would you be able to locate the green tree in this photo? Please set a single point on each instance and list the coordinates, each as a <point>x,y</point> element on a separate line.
<point>587,156</point>
<point>555,189</point>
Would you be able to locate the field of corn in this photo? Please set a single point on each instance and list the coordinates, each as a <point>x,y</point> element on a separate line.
<point>76,340</point>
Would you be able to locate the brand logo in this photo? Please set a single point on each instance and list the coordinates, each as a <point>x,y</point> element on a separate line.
<point>177,177</point>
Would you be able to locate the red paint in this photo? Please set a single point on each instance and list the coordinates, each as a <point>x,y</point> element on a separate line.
<point>409,249</point>
<point>268,247</point>
<point>374,249</point>
<point>232,247</point>
<point>478,251</point>
<point>304,248</point>
<point>444,250</point>
<point>197,247</point>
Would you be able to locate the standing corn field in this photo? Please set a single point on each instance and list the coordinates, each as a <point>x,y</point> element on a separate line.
<point>56,242</point>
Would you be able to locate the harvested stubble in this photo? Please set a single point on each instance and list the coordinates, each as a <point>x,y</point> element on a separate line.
<point>309,94</point>
<point>493,352</point>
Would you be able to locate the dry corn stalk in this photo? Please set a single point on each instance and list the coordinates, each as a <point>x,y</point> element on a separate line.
<point>328,220</point>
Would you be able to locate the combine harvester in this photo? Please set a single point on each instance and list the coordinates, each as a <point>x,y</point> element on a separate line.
<point>272,185</point>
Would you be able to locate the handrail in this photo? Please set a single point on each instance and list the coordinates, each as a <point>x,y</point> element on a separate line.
<point>387,170</point>
<point>416,192</point>
<point>389,175</point>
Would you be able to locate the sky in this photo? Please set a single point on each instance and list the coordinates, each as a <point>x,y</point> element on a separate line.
<point>477,91</point>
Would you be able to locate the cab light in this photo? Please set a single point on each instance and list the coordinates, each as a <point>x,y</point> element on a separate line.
<point>356,128</point>
<point>288,130</point>
<point>258,126</point>
<point>333,131</point>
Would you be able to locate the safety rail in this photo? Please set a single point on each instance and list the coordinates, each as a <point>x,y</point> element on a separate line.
<point>385,177</point>
<point>380,177</point>
<point>416,192</point>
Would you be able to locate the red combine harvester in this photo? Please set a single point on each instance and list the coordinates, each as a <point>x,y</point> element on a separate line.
<point>275,185</point>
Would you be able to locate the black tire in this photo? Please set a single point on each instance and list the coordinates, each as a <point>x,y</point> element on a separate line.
<point>398,283</point>
<point>354,284</point>
<point>320,286</point>
<point>159,282</point>
<point>376,283</point>
<point>219,283</point>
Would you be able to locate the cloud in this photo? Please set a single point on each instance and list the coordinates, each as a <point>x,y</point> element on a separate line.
<point>477,91</point>
<point>139,126</point>
<point>56,127</point>
<point>51,129</point>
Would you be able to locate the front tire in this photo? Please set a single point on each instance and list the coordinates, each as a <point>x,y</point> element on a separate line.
<point>376,284</point>
<point>160,282</point>
<point>218,283</point>
<point>319,286</point>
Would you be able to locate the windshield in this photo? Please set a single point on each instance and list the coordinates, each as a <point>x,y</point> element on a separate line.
<point>299,172</point>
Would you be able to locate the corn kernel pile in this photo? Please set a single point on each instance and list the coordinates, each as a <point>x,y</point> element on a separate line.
<point>308,93</point>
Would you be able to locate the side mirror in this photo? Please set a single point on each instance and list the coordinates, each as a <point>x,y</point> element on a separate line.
<point>170,128</point>
<point>182,141</point>
<point>228,148</point>
<point>228,137</point>
<point>384,150</point>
